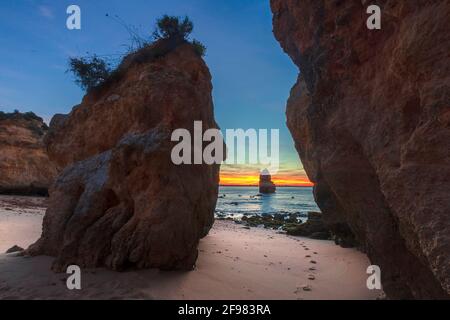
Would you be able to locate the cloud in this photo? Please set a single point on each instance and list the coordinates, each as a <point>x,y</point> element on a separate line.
<point>46,12</point>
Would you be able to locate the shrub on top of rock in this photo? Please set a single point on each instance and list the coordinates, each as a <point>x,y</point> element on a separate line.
<point>170,32</point>
<point>89,72</point>
<point>18,115</point>
<point>171,27</point>
<point>199,47</point>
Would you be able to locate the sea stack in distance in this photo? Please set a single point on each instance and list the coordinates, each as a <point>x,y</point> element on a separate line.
<point>265,182</point>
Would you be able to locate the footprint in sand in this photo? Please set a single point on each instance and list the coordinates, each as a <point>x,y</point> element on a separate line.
<point>315,252</point>
<point>306,249</point>
<point>313,262</point>
<point>308,256</point>
<point>311,277</point>
<point>312,269</point>
<point>302,287</point>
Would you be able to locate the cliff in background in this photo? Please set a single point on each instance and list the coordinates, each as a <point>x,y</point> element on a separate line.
<point>120,202</point>
<point>25,168</point>
<point>370,115</point>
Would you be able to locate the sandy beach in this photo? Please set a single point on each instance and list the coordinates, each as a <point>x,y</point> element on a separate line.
<point>233,263</point>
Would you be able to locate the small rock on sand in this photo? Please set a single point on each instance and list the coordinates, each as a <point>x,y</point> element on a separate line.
<point>14,249</point>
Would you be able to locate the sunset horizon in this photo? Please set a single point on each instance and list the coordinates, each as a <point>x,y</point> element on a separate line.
<point>236,180</point>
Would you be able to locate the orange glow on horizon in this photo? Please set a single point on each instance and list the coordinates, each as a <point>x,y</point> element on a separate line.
<point>251,180</point>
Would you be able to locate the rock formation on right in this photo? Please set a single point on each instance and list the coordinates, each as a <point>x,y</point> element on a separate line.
<point>370,116</point>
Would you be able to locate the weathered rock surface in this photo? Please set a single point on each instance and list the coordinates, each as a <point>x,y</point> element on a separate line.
<point>370,115</point>
<point>120,202</point>
<point>24,164</point>
<point>265,183</point>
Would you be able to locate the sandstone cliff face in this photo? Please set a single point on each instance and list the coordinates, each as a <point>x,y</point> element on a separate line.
<point>24,165</point>
<point>370,115</point>
<point>120,201</point>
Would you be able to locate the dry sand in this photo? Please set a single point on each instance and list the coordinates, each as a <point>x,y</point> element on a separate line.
<point>234,263</point>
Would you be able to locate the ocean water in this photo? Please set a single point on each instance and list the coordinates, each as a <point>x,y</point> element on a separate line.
<point>239,201</point>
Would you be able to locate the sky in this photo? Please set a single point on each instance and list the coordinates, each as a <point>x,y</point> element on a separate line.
<point>252,76</point>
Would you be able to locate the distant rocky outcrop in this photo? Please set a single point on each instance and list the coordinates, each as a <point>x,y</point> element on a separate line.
<point>14,249</point>
<point>25,168</point>
<point>120,202</point>
<point>313,228</point>
<point>370,116</point>
<point>265,183</point>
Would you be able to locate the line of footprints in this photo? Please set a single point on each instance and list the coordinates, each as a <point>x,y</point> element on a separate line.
<point>311,276</point>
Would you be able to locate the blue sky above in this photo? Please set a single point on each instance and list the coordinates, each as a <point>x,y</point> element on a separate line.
<point>252,76</point>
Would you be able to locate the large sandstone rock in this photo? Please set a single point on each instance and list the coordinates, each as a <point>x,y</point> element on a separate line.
<point>24,165</point>
<point>120,202</point>
<point>370,115</point>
